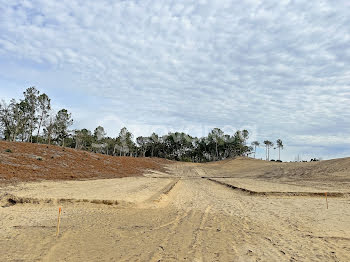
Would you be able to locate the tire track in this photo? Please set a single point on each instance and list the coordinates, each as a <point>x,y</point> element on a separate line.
<point>158,254</point>
<point>197,240</point>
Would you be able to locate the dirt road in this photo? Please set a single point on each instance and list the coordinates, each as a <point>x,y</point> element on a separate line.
<point>188,218</point>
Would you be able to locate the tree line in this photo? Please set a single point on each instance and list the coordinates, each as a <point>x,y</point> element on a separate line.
<point>31,119</point>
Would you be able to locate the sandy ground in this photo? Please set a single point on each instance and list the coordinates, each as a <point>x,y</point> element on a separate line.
<point>180,215</point>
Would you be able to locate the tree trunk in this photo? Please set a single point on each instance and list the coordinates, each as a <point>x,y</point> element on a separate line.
<point>279,153</point>
<point>23,132</point>
<point>254,151</point>
<point>31,132</point>
<point>37,136</point>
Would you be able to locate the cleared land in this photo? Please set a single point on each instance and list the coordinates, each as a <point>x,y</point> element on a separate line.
<point>224,211</point>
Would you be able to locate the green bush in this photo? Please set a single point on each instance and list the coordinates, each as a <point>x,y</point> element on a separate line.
<point>8,150</point>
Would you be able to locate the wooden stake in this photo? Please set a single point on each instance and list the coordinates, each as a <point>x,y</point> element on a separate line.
<point>326,200</point>
<point>58,222</point>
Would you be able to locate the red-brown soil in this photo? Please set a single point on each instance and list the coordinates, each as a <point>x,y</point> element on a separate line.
<point>27,162</point>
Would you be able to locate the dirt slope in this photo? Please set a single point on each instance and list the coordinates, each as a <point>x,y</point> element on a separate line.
<point>26,161</point>
<point>258,175</point>
<point>335,169</point>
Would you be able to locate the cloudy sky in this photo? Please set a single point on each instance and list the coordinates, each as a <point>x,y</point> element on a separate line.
<point>280,69</point>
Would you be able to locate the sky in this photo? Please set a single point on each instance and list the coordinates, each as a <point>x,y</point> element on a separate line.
<point>280,69</point>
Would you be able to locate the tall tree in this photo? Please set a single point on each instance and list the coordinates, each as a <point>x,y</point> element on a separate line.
<point>49,128</point>
<point>6,118</point>
<point>13,118</point>
<point>44,107</point>
<point>268,144</point>
<point>143,142</point>
<point>83,139</point>
<point>62,122</point>
<point>154,140</point>
<point>124,142</point>
<point>31,99</point>
<point>245,135</point>
<point>216,135</point>
<point>238,143</point>
<point>255,144</point>
<point>99,133</point>
<point>99,137</point>
<point>280,146</point>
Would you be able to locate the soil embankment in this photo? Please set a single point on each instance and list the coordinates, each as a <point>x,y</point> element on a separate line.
<point>29,162</point>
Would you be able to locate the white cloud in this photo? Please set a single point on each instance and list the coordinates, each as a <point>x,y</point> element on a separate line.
<point>280,66</point>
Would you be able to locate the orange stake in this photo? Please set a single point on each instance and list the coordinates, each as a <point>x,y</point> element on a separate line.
<point>58,221</point>
<point>326,200</point>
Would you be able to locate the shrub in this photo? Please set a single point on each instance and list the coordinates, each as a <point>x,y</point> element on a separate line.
<point>8,150</point>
